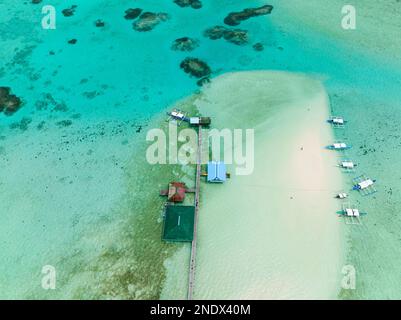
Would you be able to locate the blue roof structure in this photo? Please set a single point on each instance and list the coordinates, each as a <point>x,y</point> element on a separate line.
<point>216,171</point>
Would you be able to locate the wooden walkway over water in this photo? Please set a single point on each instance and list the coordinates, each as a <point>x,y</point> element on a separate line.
<point>192,264</point>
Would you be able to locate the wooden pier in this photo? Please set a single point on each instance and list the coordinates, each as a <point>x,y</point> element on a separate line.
<point>192,264</point>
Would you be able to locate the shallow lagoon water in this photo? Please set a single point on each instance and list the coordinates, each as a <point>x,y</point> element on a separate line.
<point>270,234</point>
<point>72,188</point>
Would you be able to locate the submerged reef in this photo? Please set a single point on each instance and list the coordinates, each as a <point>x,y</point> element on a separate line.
<point>258,47</point>
<point>36,1</point>
<point>215,33</point>
<point>9,103</point>
<point>131,14</point>
<point>185,44</point>
<point>195,4</point>
<point>148,20</point>
<point>235,36</point>
<point>48,102</point>
<point>64,123</point>
<point>203,81</point>
<point>119,261</point>
<point>69,12</point>
<point>22,124</point>
<point>99,23</point>
<point>195,67</point>
<point>91,94</point>
<point>235,18</point>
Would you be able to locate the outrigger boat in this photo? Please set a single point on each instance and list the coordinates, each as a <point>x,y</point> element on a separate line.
<point>342,195</point>
<point>178,115</point>
<point>347,165</point>
<point>351,214</point>
<point>337,122</point>
<point>339,146</point>
<point>364,185</point>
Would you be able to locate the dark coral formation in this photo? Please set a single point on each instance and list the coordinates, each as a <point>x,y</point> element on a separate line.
<point>195,67</point>
<point>91,94</point>
<point>22,125</point>
<point>9,103</point>
<point>64,123</point>
<point>235,36</point>
<point>148,20</point>
<point>99,23</point>
<point>131,14</point>
<point>215,33</point>
<point>203,81</point>
<point>47,101</point>
<point>36,1</point>
<point>195,4</point>
<point>61,107</point>
<point>69,12</point>
<point>258,47</point>
<point>41,125</point>
<point>185,44</point>
<point>72,41</point>
<point>235,18</point>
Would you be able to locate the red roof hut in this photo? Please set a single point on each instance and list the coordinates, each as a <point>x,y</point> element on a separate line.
<point>176,192</point>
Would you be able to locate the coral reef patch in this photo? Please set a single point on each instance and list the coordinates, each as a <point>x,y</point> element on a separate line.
<point>258,47</point>
<point>9,103</point>
<point>203,81</point>
<point>235,36</point>
<point>185,44</point>
<point>131,14</point>
<point>147,21</point>
<point>195,4</point>
<point>22,124</point>
<point>69,12</point>
<point>64,123</point>
<point>99,23</point>
<point>195,67</point>
<point>235,18</point>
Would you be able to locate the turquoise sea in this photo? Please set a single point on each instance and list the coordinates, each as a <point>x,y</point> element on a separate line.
<point>75,191</point>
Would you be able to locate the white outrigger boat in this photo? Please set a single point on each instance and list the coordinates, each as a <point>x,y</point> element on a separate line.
<point>342,195</point>
<point>352,215</point>
<point>339,146</point>
<point>347,165</point>
<point>364,185</point>
<point>178,115</point>
<point>337,122</point>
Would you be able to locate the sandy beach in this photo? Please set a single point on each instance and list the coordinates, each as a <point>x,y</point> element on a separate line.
<point>273,234</point>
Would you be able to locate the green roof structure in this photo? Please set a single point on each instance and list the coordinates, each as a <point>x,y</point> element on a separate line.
<point>179,223</point>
